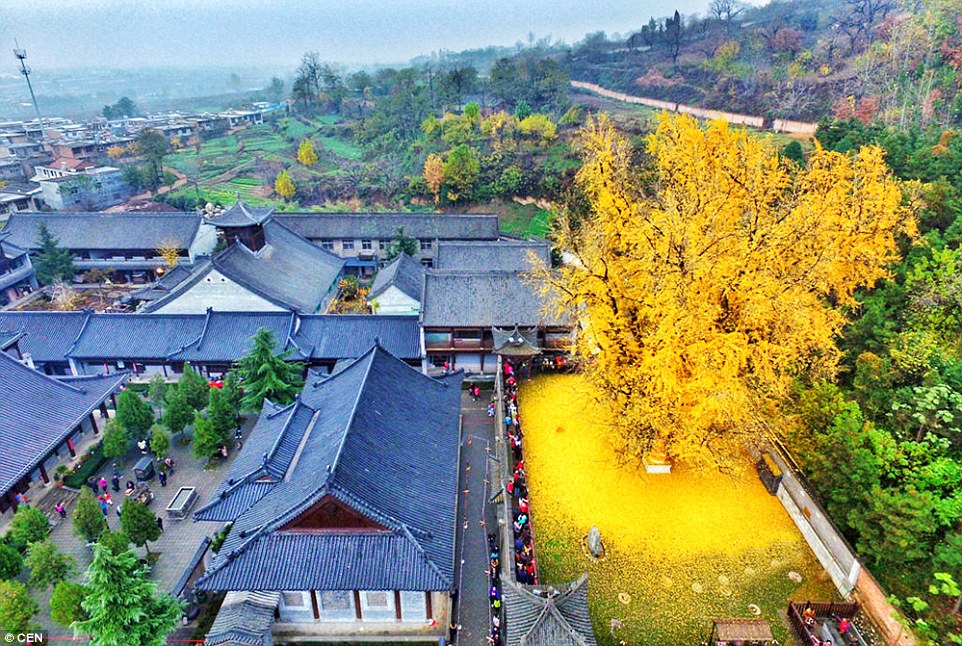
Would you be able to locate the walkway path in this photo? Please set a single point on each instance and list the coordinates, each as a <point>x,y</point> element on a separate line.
<point>476,518</point>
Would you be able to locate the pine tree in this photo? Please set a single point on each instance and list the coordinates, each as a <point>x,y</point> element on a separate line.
<point>266,374</point>
<point>207,442</point>
<point>123,604</point>
<point>306,154</point>
<point>179,413</point>
<point>223,418</point>
<point>134,414</point>
<point>11,563</point>
<point>65,603</point>
<point>48,565</point>
<point>157,392</point>
<point>284,185</point>
<point>116,440</point>
<point>52,262</point>
<point>194,387</point>
<point>139,523</point>
<point>88,519</point>
<point>159,440</point>
<point>16,608</point>
<point>29,525</point>
<point>115,541</point>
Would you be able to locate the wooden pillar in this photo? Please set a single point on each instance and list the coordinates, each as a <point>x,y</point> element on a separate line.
<point>103,409</point>
<point>93,423</point>
<point>11,497</point>
<point>357,605</point>
<point>43,474</point>
<point>427,605</point>
<point>397,605</point>
<point>70,447</point>
<point>317,612</point>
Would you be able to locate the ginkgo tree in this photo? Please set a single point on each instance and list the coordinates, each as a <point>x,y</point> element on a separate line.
<point>702,295</point>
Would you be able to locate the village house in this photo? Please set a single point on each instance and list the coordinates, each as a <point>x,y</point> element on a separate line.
<point>343,506</point>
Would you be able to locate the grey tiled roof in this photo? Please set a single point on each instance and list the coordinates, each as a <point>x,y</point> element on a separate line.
<point>47,335</point>
<point>343,336</point>
<point>171,280</point>
<point>440,226</point>
<point>132,230</point>
<point>227,335</point>
<point>240,214</point>
<point>135,336</point>
<point>555,616</point>
<point>288,270</point>
<point>244,619</point>
<point>382,439</point>
<point>405,273</point>
<point>483,299</point>
<point>215,337</point>
<point>517,342</point>
<point>500,255</point>
<point>38,412</point>
<point>8,248</point>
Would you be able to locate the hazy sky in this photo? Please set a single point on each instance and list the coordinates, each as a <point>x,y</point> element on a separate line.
<point>133,33</point>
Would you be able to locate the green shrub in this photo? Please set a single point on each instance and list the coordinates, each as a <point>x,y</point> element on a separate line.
<point>91,466</point>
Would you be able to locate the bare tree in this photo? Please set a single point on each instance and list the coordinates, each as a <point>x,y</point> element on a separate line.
<point>725,11</point>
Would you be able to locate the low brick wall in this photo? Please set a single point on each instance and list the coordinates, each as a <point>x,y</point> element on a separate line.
<point>779,125</point>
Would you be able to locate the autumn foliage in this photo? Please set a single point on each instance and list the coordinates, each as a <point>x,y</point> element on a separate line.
<point>704,293</point>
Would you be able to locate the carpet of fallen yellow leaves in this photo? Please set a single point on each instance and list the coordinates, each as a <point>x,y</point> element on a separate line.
<point>682,549</point>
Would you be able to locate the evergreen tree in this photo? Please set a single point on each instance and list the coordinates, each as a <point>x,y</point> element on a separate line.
<point>116,440</point>
<point>222,416</point>
<point>266,374</point>
<point>232,391</point>
<point>403,244</point>
<point>65,603</point>
<point>29,525</point>
<point>207,442</point>
<point>117,542</point>
<point>48,565</point>
<point>52,262</point>
<point>159,440</point>
<point>123,604</point>
<point>11,563</point>
<point>139,523</point>
<point>16,608</point>
<point>88,519</point>
<point>134,414</point>
<point>194,387</point>
<point>178,413</point>
<point>157,392</point>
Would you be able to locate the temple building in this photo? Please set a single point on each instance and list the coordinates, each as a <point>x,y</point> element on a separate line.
<point>42,420</point>
<point>343,506</point>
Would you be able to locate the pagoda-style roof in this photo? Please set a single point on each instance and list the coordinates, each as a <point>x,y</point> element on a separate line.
<point>242,215</point>
<point>548,615</point>
<point>519,342</point>
<point>353,486</point>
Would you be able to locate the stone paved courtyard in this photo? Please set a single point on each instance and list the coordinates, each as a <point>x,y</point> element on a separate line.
<point>180,538</point>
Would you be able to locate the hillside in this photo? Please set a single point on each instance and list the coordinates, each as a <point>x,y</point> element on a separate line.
<point>872,59</point>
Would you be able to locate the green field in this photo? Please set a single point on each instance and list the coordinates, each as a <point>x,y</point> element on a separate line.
<point>246,162</point>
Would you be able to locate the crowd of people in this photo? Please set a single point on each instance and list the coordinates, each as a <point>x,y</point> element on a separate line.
<point>517,487</point>
<point>844,626</point>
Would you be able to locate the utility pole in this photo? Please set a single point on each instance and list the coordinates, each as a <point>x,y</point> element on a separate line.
<point>21,55</point>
